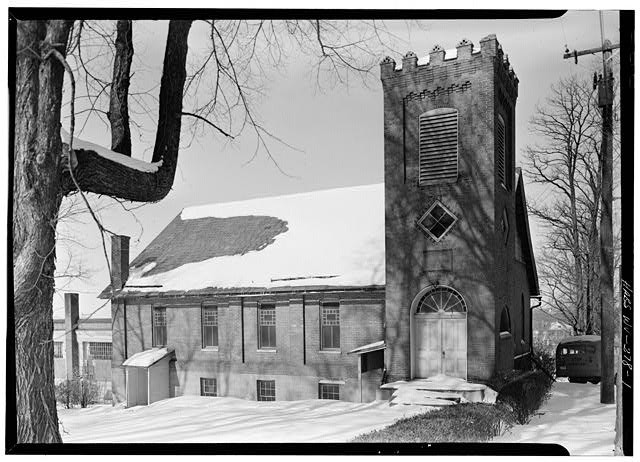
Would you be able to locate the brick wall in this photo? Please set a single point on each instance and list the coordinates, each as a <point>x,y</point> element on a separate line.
<point>473,257</point>
<point>297,363</point>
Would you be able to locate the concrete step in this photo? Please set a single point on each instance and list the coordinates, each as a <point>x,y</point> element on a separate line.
<point>442,388</point>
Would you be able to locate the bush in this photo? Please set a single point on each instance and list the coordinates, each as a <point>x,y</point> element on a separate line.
<point>546,357</point>
<point>458,423</point>
<point>525,394</point>
<point>65,393</point>
<point>82,390</point>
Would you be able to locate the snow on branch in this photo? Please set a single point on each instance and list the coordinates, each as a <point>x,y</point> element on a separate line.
<point>136,164</point>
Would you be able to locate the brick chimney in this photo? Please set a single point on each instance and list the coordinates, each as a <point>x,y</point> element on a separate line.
<point>71,318</point>
<point>119,261</point>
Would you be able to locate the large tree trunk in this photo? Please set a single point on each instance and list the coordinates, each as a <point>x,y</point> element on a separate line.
<point>40,182</point>
<point>119,96</point>
<point>36,199</point>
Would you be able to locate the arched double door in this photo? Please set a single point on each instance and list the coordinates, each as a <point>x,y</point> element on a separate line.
<point>439,333</point>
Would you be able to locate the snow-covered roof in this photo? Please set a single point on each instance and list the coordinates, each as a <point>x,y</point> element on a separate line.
<point>329,238</point>
<point>580,338</point>
<point>379,345</point>
<point>148,357</point>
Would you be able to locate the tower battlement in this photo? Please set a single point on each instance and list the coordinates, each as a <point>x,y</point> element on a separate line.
<point>464,53</point>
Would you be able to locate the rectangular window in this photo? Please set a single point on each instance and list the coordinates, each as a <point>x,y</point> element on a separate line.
<point>330,326</point>
<point>267,326</point>
<point>329,391</point>
<point>57,349</point>
<point>100,350</point>
<point>266,390</point>
<point>209,326</point>
<point>438,146</point>
<point>208,387</point>
<point>159,327</point>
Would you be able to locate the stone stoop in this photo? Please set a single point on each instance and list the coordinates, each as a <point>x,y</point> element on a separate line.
<point>438,391</point>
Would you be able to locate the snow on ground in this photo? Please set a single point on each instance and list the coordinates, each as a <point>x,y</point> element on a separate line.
<point>196,419</point>
<point>574,418</point>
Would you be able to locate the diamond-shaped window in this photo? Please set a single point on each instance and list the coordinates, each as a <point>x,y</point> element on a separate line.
<point>437,221</point>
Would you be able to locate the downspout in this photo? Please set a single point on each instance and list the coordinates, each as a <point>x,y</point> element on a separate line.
<point>539,298</point>
<point>533,358</point>
<point>124,314</point>
<point>242,326</point>
<point>304,333</point>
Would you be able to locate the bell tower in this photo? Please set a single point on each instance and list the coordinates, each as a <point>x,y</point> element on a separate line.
<point>449,138</point>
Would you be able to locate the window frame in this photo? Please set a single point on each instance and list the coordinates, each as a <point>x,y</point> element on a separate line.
<point>154,326</point>
<point>269,344</point>
<point>215,327</point>
<point>203,387</point>
<point>98,345</point>
<point>322,388</point>
<point>266,383</point>
<point>430,234</point>
<point>58,346</point>
<point>329,305</point>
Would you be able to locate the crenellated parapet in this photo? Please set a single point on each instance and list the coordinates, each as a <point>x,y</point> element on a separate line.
<point>463,52</point>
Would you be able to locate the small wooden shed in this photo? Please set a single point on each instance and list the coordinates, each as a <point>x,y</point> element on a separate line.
<point>147,376</point>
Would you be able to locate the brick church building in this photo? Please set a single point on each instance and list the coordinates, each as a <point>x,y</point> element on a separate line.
<point>329,294</point>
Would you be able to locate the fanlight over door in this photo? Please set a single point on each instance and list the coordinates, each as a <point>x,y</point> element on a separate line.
<point>440,329</point>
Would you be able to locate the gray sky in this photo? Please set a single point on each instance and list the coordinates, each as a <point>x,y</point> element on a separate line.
<point>337,130</point>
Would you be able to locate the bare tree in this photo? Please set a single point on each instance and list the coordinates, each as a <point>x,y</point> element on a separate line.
<point>567,161</point>
<point>567,164</point>
<point>215,90</point>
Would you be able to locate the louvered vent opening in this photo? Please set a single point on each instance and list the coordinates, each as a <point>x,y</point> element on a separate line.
<point>500,147</point>
<point>438,146</point>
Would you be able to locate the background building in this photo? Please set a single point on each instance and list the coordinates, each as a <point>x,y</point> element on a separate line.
<point>82,347</point>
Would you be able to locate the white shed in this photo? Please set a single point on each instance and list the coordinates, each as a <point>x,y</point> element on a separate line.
<point>147,376</point>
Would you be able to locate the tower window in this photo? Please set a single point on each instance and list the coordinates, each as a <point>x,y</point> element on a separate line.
<point>500,150</point>
<point>438,153</point>
<point>437,221</point>
<point>505,320</point>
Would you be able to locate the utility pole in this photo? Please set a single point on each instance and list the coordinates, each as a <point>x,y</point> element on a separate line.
<point>605,102</point>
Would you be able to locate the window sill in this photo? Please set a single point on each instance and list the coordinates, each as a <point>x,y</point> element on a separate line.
<point>330,352</point>
<point>261,350</point>
<point>209,349</point>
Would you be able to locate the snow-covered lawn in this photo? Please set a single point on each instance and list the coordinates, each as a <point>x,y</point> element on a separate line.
<point>574,418</point>
<point>196,419</point>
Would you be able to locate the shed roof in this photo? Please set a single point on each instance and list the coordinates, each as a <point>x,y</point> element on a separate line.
<point>148,357</point>
<point>375,346</point>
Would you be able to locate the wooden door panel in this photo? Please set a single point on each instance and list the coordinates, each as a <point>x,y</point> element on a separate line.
<point>455,347</point>
<point>428,348</point>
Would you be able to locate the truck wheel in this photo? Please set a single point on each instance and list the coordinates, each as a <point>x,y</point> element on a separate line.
<point>594,380</point>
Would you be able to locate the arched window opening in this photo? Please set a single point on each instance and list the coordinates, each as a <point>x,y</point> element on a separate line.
<point>505,320</point>
<point>441,299</point>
